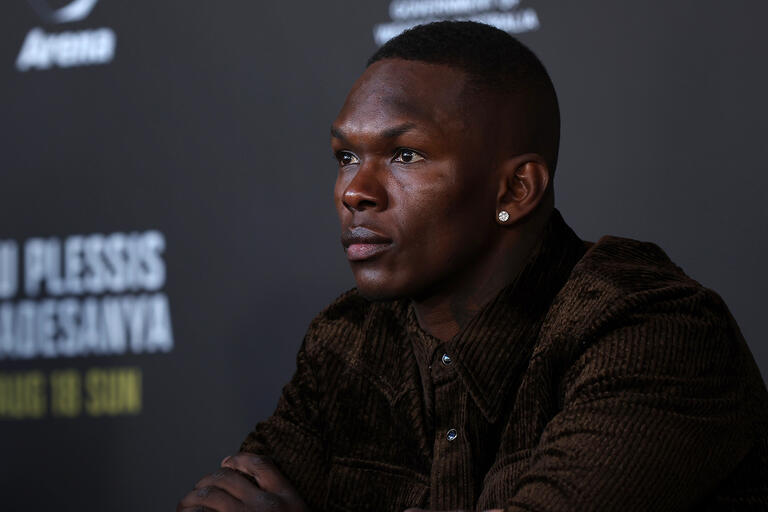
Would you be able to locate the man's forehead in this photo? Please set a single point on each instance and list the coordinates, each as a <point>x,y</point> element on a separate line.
<point>394,106</point>
<point>407,90</point>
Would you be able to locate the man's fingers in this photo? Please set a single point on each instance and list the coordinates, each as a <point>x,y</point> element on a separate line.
<point>262,469</point>
<point>233,482</point>
<point>211,498</point>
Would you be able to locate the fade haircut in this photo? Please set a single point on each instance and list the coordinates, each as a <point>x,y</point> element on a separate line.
<point>494,61</point>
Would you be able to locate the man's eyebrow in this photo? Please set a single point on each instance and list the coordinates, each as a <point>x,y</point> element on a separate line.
<point>389,133</point>
<point>396,131</point>
<point>338,134</point>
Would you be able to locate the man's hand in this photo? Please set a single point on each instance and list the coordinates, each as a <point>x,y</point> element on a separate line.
<point>245,483</point>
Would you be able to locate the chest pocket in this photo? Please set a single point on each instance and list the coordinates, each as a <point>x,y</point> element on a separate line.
<point>355,485</point>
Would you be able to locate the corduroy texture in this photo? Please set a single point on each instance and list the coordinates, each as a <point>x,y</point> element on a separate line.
<point>602,379</point>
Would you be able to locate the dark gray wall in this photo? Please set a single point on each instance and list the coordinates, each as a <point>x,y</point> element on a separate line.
<point>210,126</point>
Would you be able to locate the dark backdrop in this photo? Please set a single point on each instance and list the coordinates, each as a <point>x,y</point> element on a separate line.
<point>209,127</point>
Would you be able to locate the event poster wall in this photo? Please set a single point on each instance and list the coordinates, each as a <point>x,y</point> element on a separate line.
<point>167,230</point>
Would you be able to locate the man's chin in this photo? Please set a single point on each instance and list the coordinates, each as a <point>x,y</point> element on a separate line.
<point>378,293</point>
<point>379,288</point>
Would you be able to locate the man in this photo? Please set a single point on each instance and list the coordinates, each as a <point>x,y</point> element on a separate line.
<point>489,358</point>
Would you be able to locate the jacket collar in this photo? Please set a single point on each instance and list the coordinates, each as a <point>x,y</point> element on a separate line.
<point>490,352</point>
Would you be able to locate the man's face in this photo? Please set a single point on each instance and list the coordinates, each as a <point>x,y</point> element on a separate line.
<point>415,192</point>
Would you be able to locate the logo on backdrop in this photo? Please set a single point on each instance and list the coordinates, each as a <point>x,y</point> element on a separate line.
<point>65,49</point>
<point>507,15</point>
<point>73,11</point>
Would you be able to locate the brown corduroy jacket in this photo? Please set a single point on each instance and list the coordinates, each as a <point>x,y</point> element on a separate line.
<point>602,379</point>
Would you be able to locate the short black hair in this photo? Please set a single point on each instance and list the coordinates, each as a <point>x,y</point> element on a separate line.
<point>493,59</point>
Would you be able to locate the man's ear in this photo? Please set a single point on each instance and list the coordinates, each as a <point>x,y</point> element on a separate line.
<point>523,183</point>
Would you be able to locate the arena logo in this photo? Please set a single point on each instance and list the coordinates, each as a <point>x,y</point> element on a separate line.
<point>42,50</point>
<point>507,15</point>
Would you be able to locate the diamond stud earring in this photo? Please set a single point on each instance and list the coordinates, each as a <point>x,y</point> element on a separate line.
<point>503,216</point>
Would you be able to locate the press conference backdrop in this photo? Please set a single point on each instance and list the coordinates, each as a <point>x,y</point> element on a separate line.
<point>166,223</point>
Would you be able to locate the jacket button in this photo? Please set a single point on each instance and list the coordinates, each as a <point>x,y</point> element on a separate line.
<point>451,434</point>
<point>447,361</point>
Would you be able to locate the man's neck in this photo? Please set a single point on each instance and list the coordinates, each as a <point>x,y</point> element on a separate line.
<point>445,313</point>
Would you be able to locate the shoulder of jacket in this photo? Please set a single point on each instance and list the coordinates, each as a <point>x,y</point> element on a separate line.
<point>618,277</point>
<point>623,267</point>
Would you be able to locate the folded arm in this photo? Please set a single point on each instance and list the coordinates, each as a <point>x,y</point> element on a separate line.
<point>287,445</point>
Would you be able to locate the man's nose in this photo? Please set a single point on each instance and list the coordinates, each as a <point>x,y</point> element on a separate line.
<point>365,191</point>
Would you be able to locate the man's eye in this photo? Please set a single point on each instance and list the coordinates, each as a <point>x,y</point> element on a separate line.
<point>407,156</point>
<point>347,158</point>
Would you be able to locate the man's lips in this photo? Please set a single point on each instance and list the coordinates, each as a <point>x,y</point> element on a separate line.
<point>361,243</point>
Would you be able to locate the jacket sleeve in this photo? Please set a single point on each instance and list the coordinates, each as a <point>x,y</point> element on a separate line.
<point>293,435</point>
<point>655,412</point>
